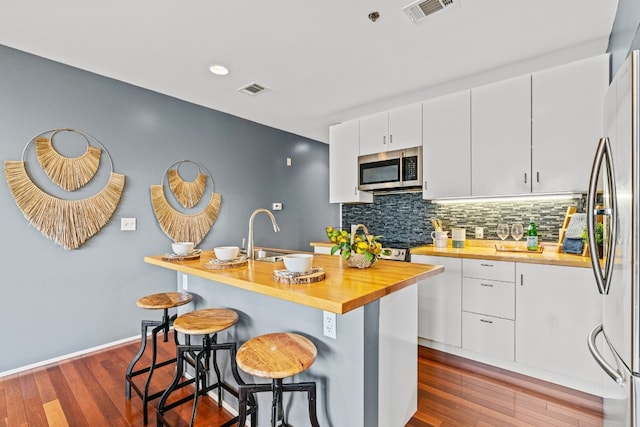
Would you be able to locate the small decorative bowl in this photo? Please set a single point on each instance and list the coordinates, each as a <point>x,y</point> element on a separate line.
<point>182,248</point>
<point>226,253</point>
<point>298,263</point>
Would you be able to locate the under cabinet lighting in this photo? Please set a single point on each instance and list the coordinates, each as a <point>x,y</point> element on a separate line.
<point>507,198</point>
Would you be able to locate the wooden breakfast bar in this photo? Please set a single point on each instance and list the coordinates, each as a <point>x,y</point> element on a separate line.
<point>367,376</point>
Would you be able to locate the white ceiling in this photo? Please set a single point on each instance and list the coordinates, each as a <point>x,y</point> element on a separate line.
<point>323,61</point>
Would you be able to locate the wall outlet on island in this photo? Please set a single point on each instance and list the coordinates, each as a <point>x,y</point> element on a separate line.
<point>329,324</point>
<point>479,232</point>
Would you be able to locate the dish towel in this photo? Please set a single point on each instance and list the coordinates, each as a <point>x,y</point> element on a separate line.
<point>573,243</point>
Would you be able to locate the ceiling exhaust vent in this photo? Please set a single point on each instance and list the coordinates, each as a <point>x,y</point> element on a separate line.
<point>252,89</point>
<point>419,10</point>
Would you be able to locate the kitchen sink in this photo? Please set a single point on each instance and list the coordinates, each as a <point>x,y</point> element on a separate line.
<point>268,256</point>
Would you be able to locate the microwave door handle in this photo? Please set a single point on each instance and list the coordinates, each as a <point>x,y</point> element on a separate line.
<point>591,215</point>
<point>401,168</point>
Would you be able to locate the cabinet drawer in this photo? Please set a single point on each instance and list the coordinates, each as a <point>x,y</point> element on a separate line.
<point>488,335</point>
<point>489,297</point>
<point>493,270</point>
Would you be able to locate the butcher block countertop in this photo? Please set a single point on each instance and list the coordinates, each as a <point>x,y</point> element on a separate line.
<point>344,288</point>
<point>486,249</point>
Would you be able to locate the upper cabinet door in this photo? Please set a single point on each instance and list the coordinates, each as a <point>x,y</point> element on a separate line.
<point>374,133</point>
<point>567,121</point>
<point>405,127</point>
<point>446,146</point>
<point>343,164</point>
<point>391,130</point>
<point>501,138</point>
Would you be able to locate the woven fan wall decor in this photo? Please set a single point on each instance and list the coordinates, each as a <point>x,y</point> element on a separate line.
<point>187,193</point>
<point>69,223</point>
<point>180,226</point>
<point>70,173</point>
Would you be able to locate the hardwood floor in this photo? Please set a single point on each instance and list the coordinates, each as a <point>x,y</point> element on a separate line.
<point>89,391</point>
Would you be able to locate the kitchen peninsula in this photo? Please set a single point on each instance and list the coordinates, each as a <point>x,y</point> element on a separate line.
<point>367,376</point>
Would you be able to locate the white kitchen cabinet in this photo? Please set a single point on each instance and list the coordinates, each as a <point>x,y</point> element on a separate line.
<point>501,138</point>
<point>488,307</point>
<point>391,130</point>
<point>489,297</point>
<point>446,146</point>
<point>567,121</point>
<point>439,301</point>
<point>488,335</point>
<point>556,308</point>
<point>343,164</point>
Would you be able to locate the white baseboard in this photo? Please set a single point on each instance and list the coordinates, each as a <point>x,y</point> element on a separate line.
<point>67,356</point>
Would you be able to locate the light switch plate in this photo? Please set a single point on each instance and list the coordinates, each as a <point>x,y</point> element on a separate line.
<point>127,224</point>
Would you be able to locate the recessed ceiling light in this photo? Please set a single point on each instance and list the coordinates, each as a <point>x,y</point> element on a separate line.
<point>220,70</point>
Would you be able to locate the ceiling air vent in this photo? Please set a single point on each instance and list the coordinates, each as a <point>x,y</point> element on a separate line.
<point>421,9</point>
<point>252,89</point>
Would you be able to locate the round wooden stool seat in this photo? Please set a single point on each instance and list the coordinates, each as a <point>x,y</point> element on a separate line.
<point>205,321</point>
<point>164,300</point>
<point>277,355</point>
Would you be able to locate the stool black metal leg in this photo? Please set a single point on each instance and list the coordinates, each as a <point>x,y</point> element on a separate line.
<point>200,377</point>
<point>310,388</point>
<point>143,345</point>
<point>152,367</point>
<point>176,379</point>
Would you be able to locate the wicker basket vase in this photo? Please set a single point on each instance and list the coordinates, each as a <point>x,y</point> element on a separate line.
<point>359,260</point>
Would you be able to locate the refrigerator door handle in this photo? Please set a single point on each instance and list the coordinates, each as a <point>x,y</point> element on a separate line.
<point>603,154</point>
<point>614,373</point>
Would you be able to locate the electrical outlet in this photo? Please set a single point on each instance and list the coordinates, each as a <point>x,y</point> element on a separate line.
<point>329,324</point>
<point>479,232</point>
<point>276,206</point>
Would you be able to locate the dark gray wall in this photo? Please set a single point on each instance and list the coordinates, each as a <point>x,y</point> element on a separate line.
<point>55,301</point>
<point>624,34</point>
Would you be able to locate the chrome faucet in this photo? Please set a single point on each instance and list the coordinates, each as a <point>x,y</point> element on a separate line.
<point>250,253</point>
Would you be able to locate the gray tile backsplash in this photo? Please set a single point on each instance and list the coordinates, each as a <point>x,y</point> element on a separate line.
<point>406,217</point>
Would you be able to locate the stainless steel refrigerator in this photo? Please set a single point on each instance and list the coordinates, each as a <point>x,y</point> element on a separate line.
<point>613,200</point>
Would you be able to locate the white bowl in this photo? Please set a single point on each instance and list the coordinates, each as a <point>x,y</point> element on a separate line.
<point>226,253</point>
<point>182,248</point>
<point>298,263</point>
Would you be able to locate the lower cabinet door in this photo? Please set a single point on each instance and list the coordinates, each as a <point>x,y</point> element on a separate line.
<point>439,302</point>
<point>491,336</point>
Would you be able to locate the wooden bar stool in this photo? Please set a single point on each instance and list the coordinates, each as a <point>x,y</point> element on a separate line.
<point>276,356</point>
<point>207,322</point>
<point>164,301</point>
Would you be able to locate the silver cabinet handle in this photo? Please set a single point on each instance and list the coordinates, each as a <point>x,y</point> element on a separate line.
<point>425,185</point>
<point>487,285</point>
<point>614,373</point>
<point>384,139</point>
<point>521,279</point>
<point>486,265</point>
<point>390,139</point>
<point>525,177</point>
<point>355,191</point>
<point>538,177</point>
<point>486,321</point>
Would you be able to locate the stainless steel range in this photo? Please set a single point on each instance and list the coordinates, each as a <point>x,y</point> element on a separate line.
<point>394,251</point>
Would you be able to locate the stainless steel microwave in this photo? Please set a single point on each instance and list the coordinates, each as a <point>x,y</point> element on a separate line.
<point>390,170</point>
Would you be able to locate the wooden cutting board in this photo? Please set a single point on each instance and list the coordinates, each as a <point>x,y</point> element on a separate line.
<point>284,276</point>
<point>225,265</point>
